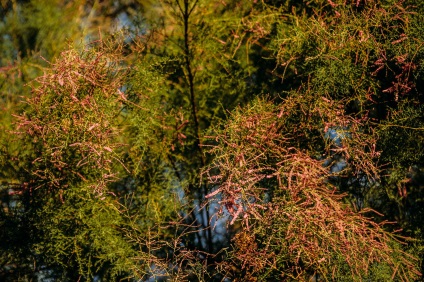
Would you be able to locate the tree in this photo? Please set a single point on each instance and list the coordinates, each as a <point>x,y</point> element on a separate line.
<point>295,222</point>
<point>357,58</point>
<point>129,143</point>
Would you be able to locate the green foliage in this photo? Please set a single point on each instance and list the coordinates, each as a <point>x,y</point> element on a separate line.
<point>153,131</point>
<point>101,166</point>
<point>72,138</point>
<point>81,234</point>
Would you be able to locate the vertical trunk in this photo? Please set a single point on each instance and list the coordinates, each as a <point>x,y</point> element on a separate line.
<point>186,11</point>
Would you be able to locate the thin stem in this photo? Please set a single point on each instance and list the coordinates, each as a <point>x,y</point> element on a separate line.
<point>190,77</point>
<point>186,12</point>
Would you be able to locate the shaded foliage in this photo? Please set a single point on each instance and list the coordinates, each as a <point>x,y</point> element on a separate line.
<point>148,154</point>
